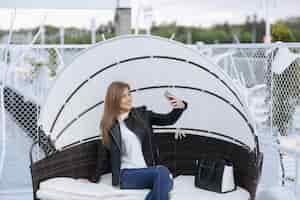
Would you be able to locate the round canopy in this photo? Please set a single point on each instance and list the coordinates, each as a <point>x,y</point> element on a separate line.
<point>150,65</point>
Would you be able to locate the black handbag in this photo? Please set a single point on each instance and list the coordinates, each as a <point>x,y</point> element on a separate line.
<point>214,174</point>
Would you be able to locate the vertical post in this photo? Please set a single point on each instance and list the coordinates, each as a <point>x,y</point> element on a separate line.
<point>137,18</point>
<point>148,18</point>
<point>123,21</point>
<point>297,182</point>
<point>3,116</point>
<point>93,30</point>
<point>254,33</point>
<point>267,38</point>
<point>42,34</point>
<point>62,39</point>
<point>62,35</point>
<point>271,94</point>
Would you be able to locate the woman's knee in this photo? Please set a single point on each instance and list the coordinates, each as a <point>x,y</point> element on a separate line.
<point>163,170</point>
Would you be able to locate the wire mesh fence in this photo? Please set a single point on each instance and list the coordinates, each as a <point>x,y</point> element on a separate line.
<point>268,76</point>
<point>27,76</point>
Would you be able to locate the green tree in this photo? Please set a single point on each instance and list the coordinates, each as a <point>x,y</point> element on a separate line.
<point>280,32</point>
<point>294,25</point>
<point>50,30</point>
<point>164,30</point>
<point>246,36</point>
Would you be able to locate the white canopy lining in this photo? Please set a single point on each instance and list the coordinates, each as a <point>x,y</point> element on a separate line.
<point>131,70</point>
<point>124,51</point>
<point>160,62</point>
<point>212,111</point>
<point>155,87</point>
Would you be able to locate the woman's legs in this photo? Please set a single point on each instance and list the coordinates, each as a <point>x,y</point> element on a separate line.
<point>156,178</point>
<point>163,184</point>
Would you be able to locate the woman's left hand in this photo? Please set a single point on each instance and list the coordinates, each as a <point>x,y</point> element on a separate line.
<point>176,103</point>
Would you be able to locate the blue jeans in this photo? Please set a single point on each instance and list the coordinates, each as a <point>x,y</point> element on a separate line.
<point>155,178</point>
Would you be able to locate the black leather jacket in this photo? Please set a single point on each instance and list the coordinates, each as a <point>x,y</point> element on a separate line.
<point>139,121</point>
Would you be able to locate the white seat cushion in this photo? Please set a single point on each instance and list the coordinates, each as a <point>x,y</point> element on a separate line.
<point>184,189</point>
<point>68,188</point>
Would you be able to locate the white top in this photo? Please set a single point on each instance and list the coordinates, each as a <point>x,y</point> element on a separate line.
<point>132,155</point>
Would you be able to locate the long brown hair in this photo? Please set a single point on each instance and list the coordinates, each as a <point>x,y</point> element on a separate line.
<point>111,108</point>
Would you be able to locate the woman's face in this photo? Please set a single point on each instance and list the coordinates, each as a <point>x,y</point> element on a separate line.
<point>126,101</point>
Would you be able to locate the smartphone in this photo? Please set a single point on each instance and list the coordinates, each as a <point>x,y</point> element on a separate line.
<point>169,95</point>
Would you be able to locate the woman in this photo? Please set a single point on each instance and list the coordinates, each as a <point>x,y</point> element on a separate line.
<point>127,133</point>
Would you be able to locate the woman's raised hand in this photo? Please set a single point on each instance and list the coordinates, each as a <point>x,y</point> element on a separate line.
<point>175,102</point>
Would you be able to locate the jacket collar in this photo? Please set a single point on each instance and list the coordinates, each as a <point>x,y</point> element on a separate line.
<point>116,132</point>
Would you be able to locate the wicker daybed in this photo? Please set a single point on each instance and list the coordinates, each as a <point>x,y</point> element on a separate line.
<point>217,122</point>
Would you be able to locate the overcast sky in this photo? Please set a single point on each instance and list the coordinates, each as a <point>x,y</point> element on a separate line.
<point>188,12</point>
